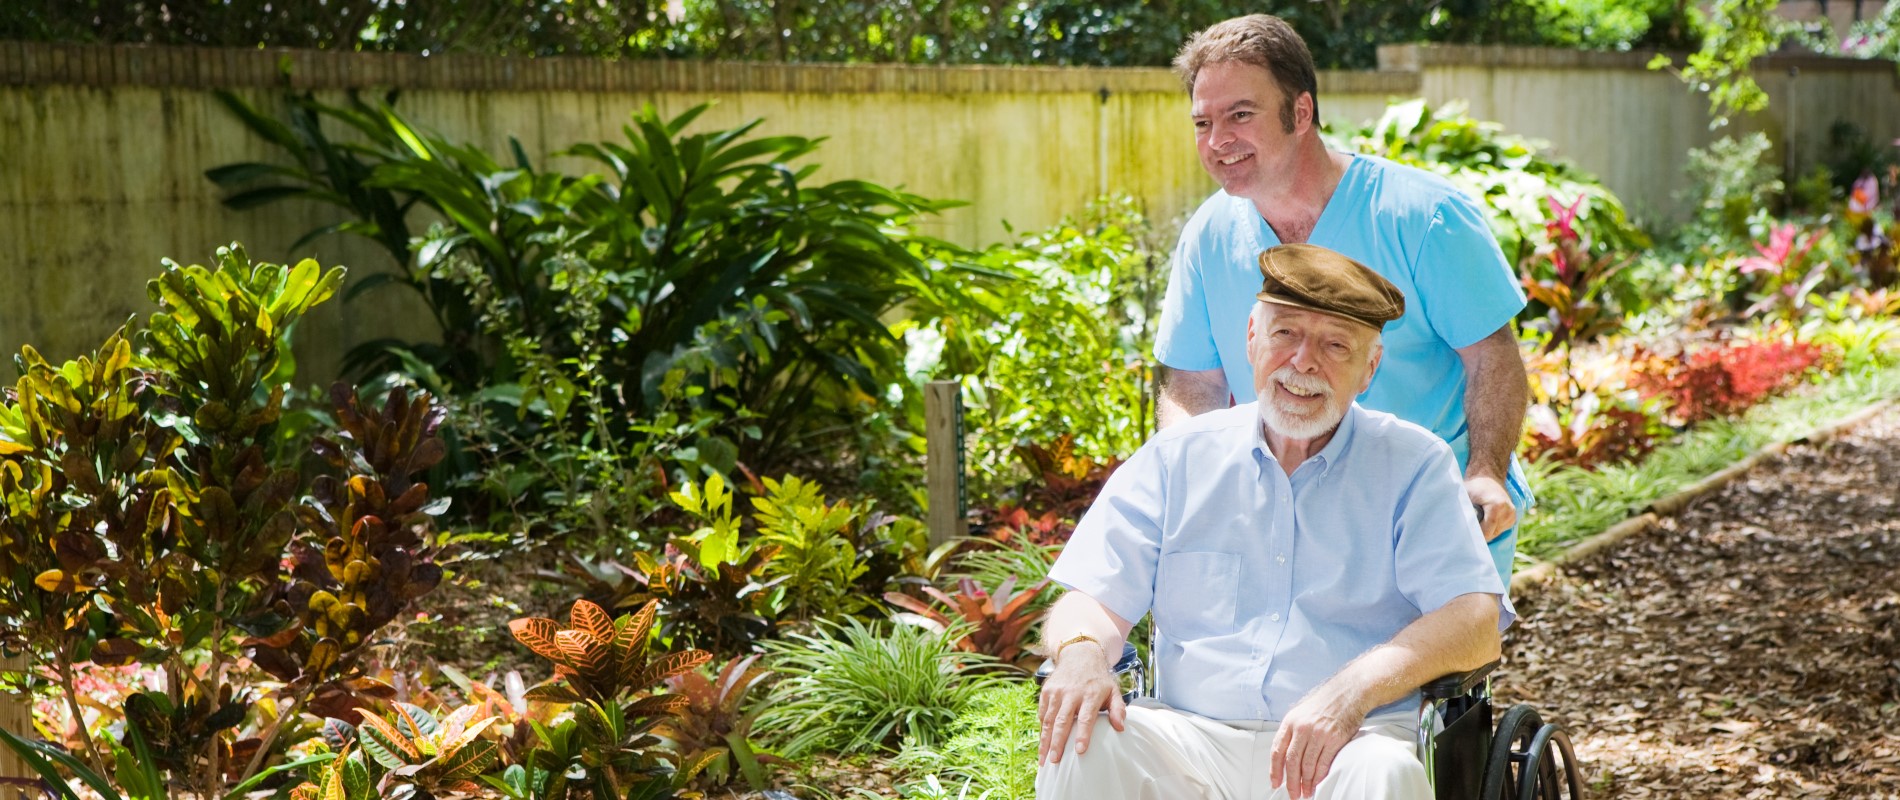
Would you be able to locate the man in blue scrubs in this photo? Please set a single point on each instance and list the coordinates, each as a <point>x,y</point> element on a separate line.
<point>1452,363</point>
<point>1309,564</point>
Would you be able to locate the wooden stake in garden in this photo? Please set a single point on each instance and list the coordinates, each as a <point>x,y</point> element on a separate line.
<point>16,715</point>
<point>943,459</point>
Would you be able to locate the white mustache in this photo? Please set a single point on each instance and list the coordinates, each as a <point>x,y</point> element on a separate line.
<point>1298,381</point>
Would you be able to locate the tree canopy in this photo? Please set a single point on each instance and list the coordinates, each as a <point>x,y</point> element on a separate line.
<point>1343,33</point>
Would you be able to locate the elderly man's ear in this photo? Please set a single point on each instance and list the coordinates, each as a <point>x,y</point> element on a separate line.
<point>1378,353</point>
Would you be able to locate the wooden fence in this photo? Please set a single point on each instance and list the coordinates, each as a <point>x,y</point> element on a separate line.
<point>103,148</point>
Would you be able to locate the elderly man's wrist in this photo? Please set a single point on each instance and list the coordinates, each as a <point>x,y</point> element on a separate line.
<point>1084,641</point>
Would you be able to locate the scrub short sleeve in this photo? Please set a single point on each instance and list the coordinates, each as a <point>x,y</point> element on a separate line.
<point>1466,290</point>
<point>1112,555</point>
<point>1184,339</point>
<point>1440,550</point>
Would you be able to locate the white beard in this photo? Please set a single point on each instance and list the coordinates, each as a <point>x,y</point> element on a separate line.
<point>1311,425</point>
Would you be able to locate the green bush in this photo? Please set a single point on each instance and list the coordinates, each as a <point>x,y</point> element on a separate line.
<point>992,745</point>
<point>1730,182</point>
<point>854,688</point>
<point>1065,354</point>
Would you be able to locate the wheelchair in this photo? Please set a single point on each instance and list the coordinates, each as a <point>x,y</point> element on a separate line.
<point>1466,755</point>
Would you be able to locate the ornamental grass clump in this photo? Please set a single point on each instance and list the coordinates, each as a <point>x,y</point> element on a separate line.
<point>857,688</point>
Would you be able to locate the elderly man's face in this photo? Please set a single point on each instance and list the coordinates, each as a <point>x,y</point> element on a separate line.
<point>1307,367</point>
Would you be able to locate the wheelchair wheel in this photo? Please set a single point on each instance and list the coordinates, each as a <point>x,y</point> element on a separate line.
<point>1551,767</point>
<point>1530,760</point>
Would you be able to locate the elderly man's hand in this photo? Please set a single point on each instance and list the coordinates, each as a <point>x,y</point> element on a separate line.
<point>1497,515</point>
<point>1073,696</point>
<point>1310,736</point>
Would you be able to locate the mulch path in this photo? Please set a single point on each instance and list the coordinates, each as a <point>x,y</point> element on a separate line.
<point>1746,648</point>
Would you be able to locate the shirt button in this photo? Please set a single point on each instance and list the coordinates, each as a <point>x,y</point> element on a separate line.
<point>1280,558</point>
<point>1273,617</point>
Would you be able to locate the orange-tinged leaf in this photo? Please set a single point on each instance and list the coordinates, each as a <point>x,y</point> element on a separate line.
<point>661,705</point>
<point>692,765</point>
<point>538,634</point>
<point>642,621</point>
<point>56,580</point>
<point>553,693</point>
<point>469,759</point>
<point>386,735</point>
<point>590,619</point>
<point>585,653</point>
<point>669,665</point>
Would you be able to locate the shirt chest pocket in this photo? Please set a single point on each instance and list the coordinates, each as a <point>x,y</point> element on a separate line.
<point>1195,594</point>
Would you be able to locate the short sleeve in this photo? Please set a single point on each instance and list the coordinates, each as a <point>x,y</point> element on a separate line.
<point>1112,554</point>
<point>1466,289</point>
<point>1440,552</point>
<point>1184,339</point>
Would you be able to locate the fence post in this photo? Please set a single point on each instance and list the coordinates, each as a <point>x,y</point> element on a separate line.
<point>943,459</point>
<point>16,716</point>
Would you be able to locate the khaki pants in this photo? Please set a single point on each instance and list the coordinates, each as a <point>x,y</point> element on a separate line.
<point>1166,754</point>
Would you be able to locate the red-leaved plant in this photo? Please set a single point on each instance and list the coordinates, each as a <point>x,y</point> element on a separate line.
<point>998,621</point>
<point>1722,380</point>
<point>1062,484</point>
<point>714,724</point>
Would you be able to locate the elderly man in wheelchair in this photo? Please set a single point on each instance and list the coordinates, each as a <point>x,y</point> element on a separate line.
<point>1309,564</point>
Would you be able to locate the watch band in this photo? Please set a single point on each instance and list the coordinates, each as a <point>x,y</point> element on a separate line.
<point>1057,655</point>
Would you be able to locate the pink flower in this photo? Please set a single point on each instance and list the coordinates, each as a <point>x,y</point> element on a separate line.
<point>1780,252</point>
<point>1865,196</point>
<point>1562,224</point>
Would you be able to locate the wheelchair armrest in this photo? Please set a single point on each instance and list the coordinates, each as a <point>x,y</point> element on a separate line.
<point>1128,661</point>
<point>1457,684</point>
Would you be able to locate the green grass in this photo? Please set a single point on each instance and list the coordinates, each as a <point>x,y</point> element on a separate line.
<point>1573,504</point>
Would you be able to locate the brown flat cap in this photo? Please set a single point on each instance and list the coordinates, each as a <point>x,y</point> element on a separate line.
<point>1317,279</point>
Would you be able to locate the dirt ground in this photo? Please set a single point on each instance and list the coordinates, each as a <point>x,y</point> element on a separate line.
<point>1744,650</point>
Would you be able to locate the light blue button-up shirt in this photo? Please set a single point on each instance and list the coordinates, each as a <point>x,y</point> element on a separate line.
<point>1263,586</point>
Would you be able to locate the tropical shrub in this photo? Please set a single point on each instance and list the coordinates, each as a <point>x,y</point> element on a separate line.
<point>1784,273</point>
<point>1567,277</point>
<point>149,518</point>
<point>1584,413</point>
<point>408,754</point>
<point>1874,229</point>
<point>716,720</point>
<point>990,566</point>
<point>853,688</point>
<point>699,291</point>
<point>604,672</point>
<point>1507,173</point>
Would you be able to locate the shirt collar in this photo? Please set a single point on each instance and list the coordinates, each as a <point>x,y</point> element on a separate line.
<point>1327,456</point>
